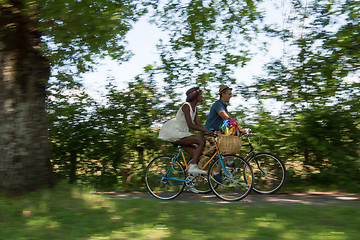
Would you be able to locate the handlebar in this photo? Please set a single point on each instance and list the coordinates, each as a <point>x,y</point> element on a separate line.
<point>215,134</point>
<point>249,133</point>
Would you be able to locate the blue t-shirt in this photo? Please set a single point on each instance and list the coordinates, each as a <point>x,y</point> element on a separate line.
<point>214,121</point>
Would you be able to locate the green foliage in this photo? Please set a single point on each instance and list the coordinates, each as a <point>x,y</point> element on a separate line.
<point>73,131</point>
<point>110,144</point>
<point>207,41</point>
<point>328,138</point>
<point>77,32</point>
<point>326,55</point>
<point>103,145</point>
<point>318,83</point>
<point>129,117</point>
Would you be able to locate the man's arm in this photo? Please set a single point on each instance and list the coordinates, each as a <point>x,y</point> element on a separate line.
<point>226,116</point>
<point>223,115</point>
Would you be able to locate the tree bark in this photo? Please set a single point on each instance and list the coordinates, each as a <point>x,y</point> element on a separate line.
<point>24,72</point>
<point>72,166</point>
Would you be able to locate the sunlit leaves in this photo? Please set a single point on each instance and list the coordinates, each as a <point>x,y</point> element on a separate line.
<point>76,32</point>
<point>317,80</point>
<point>207,37</point>
<point>96,142</point>
<point>325,54</point>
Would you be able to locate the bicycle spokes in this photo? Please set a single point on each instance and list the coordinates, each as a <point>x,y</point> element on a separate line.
<point>164,178</point>
<point>236,182</point>
<point>269,172</point>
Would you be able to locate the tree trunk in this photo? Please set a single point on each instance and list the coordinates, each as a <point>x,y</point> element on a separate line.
<point>72,167</point>
<point>24,72</point>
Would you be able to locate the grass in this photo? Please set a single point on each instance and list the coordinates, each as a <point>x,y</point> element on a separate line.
<point>68,213</point>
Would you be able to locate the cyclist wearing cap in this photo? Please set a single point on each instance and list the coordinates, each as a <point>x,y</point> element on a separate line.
<point>219,113</point>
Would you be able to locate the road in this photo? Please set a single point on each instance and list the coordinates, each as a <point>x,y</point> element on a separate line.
<point>281,198</point>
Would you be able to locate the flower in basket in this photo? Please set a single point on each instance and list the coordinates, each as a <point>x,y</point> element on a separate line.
<point>230,127</point>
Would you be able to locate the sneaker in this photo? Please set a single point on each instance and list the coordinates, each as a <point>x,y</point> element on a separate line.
<point>230,164</point>
<point>217,178</point>
<point>194,190</point>
<point>195,170</point>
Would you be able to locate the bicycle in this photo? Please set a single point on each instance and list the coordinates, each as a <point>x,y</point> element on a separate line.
<point>166,177</point>
<point>269,171</point>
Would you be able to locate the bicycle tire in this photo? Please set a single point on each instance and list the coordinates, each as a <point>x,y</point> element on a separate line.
<point>238,185</point>
<point>202,183</point>
<point>272,174</point>
<point>161,187</point>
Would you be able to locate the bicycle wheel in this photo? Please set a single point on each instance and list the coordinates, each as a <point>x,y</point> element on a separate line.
<point>269,173</point>
<point>201,182</point>
<point>235,186</point>
<point>161,175</point>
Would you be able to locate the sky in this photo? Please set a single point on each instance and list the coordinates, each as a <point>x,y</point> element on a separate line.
<point>142,40</point>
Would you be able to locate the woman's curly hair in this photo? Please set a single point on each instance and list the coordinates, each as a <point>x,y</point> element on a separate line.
<point>192,93</point>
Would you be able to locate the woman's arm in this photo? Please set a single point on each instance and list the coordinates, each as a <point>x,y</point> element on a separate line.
<point>197,122</point>
<point>197,126</point>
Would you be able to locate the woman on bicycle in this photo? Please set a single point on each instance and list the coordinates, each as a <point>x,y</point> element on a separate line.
<point>177,130</point>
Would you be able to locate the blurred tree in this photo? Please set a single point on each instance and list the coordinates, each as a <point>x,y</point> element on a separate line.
<point>74,33</point>
<point>129,118</point>
<point>318,82</point>
<point>328,138</point>
<point>23,125</point>
<point>73,131</point>
<point>324,61</point>
<point>208,40</point>
<point>103,144</point>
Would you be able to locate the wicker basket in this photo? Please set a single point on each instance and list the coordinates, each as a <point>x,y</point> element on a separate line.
<point>229,144</point>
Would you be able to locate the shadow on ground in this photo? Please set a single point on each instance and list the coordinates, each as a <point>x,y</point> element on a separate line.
<point>306,198</point>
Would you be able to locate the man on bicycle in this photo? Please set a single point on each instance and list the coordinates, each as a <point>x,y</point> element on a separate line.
<point>219,113</point>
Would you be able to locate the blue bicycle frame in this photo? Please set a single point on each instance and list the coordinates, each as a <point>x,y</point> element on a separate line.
<point>181,152</point>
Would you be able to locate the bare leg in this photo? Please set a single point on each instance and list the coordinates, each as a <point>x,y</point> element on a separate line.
<point>225,159</point>
<point>187,143</point>
<point>190,149</point>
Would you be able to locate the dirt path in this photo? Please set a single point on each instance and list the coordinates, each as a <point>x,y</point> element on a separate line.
<point>306,198</point>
